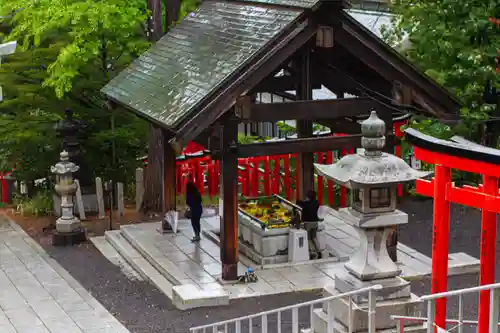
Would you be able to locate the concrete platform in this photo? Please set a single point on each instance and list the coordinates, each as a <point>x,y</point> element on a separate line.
<point>170,261</point>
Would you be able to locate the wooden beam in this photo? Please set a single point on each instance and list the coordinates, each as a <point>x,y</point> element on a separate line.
<point>169,178</point>
<point>341,125</point>
<point>308,110</point>
<point>229,187</point>
<point>280,84</point>
<point>305,145</point>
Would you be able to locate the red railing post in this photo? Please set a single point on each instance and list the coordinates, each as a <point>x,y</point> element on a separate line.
<point>276,175</point>
<point>320,183</point>
<point>343,189</point>
<point>287,180</point>
<point>331,190</point>
<point>267,177</point>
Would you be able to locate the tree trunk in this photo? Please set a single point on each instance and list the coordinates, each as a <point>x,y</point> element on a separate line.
<point>153,178</point>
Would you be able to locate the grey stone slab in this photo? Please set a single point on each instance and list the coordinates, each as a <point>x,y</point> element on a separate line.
<point>91,319</point>
<point>7,328</point>
<point>62,325</point>
<point>282,286</point>
<point>48,309</point>
<point>77,304</point>
<point>270,275</point>
<point>10,299</point>
<point>32,329</point>
<point>391,288</point>
<point>23,317</point>
<point>45,276</point>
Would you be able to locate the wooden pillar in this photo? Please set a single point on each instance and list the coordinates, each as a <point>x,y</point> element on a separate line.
<point>441,230</point>
<point>169,177</point>
<point>487,254</point>
<point>229,195</point>
<point>305,163</point>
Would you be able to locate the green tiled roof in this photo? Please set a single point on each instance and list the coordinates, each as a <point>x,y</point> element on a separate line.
<point>193,59</point>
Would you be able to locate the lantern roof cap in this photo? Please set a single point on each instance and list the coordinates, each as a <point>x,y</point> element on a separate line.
<point>370,167</point>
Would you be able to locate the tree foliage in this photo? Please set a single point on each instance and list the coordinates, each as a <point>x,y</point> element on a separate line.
<point>453,42</point>
<point>68,50</point>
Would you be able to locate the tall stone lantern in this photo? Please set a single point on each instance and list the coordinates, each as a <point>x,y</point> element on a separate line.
<point>68,227</point>
<point>373,176</point>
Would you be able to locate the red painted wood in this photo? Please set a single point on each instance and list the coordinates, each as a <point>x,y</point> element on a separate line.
<point>287,180</point>
<point>320,184</point>
<point>276,175</point>
<point>267,178</point>
<point>487,253</point>
<point>330,188</point>
<point>441,226</point>
<point>460,163</point>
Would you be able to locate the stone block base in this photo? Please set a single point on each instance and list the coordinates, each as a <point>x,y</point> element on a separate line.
<point>69,238</point>
<point>189,296</point>
<point>392,288</point>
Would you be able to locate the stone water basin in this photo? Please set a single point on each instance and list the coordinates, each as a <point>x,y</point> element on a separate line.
<point>264,238</point>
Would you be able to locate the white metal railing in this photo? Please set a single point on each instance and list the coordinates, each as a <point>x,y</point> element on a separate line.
<point>494,290</point>
<point>235,325</point>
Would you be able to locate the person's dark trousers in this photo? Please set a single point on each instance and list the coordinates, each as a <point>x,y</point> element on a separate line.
<point>195,223</point>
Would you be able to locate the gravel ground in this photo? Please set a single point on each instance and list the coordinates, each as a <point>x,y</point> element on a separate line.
<point>145,310</point>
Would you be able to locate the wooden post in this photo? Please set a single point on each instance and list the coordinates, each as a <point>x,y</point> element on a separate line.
<point>169,177</point>
<point>229,189</point>
<point>305,127</point>
<point>442,177</point>
<point>487,254</point>
<point>139,188</point>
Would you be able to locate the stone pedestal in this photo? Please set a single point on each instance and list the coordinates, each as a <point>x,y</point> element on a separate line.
<point>395,298</point>
<point>371,260</point>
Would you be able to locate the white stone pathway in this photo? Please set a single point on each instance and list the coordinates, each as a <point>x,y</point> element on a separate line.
<point>38,296</point>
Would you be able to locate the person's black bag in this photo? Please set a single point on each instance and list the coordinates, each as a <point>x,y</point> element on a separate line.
<point>188,214</point>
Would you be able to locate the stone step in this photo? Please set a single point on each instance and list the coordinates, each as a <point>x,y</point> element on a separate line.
<point>185,291</point>
<point>152,255</point>
<point>141,265</point>
<point>110,253</point>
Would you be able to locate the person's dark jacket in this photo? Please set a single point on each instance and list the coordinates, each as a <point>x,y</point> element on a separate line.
<point>193,200</point>
<point>309,210</point>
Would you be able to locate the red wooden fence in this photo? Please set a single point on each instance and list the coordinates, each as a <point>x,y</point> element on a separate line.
<point>257,176</point>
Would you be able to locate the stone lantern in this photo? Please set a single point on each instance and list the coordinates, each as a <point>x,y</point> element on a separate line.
<point>373,176</point>
<point>68,227</point>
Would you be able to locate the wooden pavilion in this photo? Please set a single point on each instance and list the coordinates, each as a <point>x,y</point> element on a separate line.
<point>200,80</point>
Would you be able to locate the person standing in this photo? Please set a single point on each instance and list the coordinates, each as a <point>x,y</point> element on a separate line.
<point>310,207</point>
<point>194,202</point>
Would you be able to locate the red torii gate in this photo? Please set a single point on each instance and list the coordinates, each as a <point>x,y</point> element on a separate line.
<point>467,156</point>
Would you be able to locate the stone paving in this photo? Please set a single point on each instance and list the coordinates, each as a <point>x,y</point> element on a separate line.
<point>38,296</point>
<point>172,260</point>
